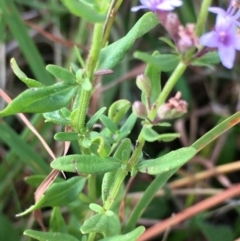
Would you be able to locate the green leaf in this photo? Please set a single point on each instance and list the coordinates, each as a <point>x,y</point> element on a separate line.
<point>86,84</point>
<point>40,100</point>
<point>36,180</point>
<point>18,72</point>
<point>127,126</point>
<point>95,118</point>
<point>131,236</point>
<point>20,33</point>
<point>151,135</point>
<point>49,236</point>
<point>172,160</point>
<point>66,136</point>
<point>122,153</point>
<point>25,152</point>
<point>102,223</point>
<point>109,124</point>
<point>57,222</point>
<point>118,110</point>
<point>153,73</point>
<point>207,59</point>
<point>100,146</point>
<point>61,116</point>
<point>8,230</point>
<point>61,73</point>
<point>215,232</point>
<point>164,62</point>
<point>216,131</point>
<point>111,55</point>
<point>85,164</point>
<point>96,208</point>
<point>168,42</point>
<point>59,194</point>
<point>83,10</point>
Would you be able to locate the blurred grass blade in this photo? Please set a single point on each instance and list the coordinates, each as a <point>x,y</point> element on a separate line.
<point>24,151</point>
<point>216,131</point>
<point>19,31</point>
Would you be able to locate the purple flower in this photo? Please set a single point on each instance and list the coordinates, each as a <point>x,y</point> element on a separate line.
<point>155,5</point>
<point>232,13</point>
<point>225,38</point>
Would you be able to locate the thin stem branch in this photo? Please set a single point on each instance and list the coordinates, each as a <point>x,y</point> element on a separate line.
<point>177,73</point>
<point>202,17</point>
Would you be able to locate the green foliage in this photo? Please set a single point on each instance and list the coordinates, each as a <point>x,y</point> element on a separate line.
<point>85,164</point>
<point>31,83</point>
<point>51,236</point>
<point>118,110</point>
<point>170,161</point>
<point>150,135</point>
<point>83,10</point>
<point>164,62</point>
<point>102,223</point>
<point>111,55</point>
<point>131,236</point>
<point>41,99</point>
<point>61,73</point>
<point>99,203</point>
<point>59,194</point>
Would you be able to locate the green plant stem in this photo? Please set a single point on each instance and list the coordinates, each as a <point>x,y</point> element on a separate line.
<point>92,188</point>
<point>177,73</point>
<point>121,176</point>
<point>85,96</point>
<point>116,186</point>
<point>202,17</point>
<point>114,6</point>
<point>89,71</point>
<point>91,236</point>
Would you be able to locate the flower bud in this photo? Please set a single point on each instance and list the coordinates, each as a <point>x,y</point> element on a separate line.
<point>170,22</point>
<point>144,84</point>
<point>139,109</point>
<point>174,108</point>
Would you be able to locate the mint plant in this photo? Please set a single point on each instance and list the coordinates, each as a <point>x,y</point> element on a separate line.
<point>106,153</point>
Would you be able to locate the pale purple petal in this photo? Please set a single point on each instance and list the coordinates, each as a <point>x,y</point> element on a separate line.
<point>227,55</point>
<point>135,9</point>
<point>237,43</point>
<point>154,5</point>
<point>177,3</point>
<point>147,3</point>
<point>165,6</point>
<point>217,10</point>
<point>209,39</point>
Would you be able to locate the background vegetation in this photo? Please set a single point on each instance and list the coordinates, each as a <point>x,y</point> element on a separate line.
<point>37,33</point>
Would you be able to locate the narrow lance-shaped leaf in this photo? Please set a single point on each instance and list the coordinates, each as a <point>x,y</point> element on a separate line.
<point>164,62</point>
<point>172,160</point>
<point>131,236</point>
<point>111,55</point>
<point>59,194</point>
<point>40,100</point>
<point>153,73</point>
<point>18,72</point>
<point>95,117</point>
<point>107,225</point>
<point>118,110</point>
<point>57,222</point>
<point>50,236</point>
<point>85,164</point>
<point>123,152</point>
<point>61,73</point>
<point>83,10</point>
<point>151,135</point>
